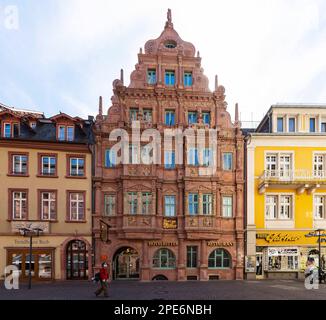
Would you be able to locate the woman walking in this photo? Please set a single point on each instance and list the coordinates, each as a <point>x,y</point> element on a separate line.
<point>104,280</point>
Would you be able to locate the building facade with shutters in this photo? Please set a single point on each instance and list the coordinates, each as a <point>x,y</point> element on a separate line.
<point>174,219</point>
<point>45,173</point>
<point>286,187</point>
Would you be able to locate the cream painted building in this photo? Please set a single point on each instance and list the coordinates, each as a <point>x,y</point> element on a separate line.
<point>45,174</point>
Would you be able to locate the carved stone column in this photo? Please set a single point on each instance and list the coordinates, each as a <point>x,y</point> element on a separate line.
<point>203,261</point>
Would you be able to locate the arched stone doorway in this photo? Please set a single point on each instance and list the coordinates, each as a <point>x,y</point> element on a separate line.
<point>126,264</point>
<point>77,260</point>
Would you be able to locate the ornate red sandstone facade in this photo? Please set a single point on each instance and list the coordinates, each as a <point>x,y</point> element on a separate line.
<point>132,244</point>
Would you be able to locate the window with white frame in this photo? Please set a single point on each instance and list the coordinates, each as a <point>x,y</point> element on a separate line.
<point>319,165</point>
<point>19,205</point>
<point>279,207</point>
<point>77,167</point>
<point>285,165</point>
<point>193,203</point>
<point>170,206</point>
<point>146,202</point>
<point>48,205</point>
<point>76,206</point>
<point>278,165</point>
<point>109,204</point>
<point>271,207</point>
<point>227,207</point>
<point>70,133</point>
<point>207,157</point>
<point>207,204</point>
<point>319,207</point>
<point>19,164</point>
<point>48,165</point>
<point>133,202</point>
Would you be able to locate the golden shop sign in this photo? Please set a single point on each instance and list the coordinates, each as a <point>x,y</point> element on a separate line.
<point>285,238</point>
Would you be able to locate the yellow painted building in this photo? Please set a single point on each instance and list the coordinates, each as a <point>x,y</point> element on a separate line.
<point>45,174</point>
<point>286,191</point>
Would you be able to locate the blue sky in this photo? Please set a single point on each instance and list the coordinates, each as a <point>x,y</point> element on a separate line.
<point>66,53</point>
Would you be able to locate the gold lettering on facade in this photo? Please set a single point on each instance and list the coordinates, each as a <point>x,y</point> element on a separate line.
<point>278,237</point>
<point>162,244</point>
<point>220,244</point>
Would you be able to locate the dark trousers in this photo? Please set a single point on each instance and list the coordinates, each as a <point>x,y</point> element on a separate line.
<point>103,288</point>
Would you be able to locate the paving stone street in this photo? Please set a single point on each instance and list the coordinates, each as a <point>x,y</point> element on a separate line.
<point>213,290</point>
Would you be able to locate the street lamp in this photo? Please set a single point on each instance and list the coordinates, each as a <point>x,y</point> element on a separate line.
<point>319,231</point>
<point>30,232</point>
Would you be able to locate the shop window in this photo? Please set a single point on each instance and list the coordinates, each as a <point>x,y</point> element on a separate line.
<point>164,259</point>
<point>219,259</point>
<point>283,259</point>
<point>41,263</point>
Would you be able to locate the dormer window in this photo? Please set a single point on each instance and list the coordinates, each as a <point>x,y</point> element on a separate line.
<point>33,125</point>
<point>66,133</point>
<point>7,130</point>
<point>10,130</point>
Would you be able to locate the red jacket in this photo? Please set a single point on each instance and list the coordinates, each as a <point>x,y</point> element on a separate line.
<point>104,275</point>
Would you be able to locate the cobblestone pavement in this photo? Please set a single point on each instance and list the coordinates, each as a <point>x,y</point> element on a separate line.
<point>212,290</point>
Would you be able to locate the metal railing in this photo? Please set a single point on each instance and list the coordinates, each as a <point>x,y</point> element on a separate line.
<point>293,175</point>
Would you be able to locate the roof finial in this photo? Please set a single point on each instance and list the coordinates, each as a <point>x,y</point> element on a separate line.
<point>237,123</point>
<point>121,76</point>
<point>169,16</point>
<point>169,19</point>
<point>216,82</point>
<point>100,106</point>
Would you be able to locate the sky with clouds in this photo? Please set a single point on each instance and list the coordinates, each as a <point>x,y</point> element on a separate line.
<point>66,53</point>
